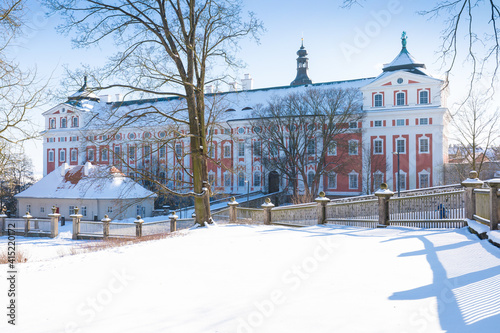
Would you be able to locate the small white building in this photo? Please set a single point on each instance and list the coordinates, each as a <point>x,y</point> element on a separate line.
<point>97,190</point>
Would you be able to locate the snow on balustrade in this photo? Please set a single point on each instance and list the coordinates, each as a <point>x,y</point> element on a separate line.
<point>91,228</point>
<point>304,214</point>
<point>357,214</point>
<point>250,215</point>
<point>121,229</point>
<point>483,203</point>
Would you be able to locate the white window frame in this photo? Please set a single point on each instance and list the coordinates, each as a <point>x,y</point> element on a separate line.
<point>91,155</point>
<point>423,121</point>
<point>377,123</point>
<point>51,155</point>
<point>332,180</point>
<point>227,179</point>
<point>353,174</point>
<point>351,145</point>
<point>311,147</point>
<point>332,148</point>
<point>310,178</point>
<point>241,179</point>
<point>381,151</point>
<point>241,149</point>
<point>227,151</point>
<point>404,146</point>
<point>62,155</point>
<point>402,176</point>
<point>375,100</point>
<point>257,176</point>
<point>420,96</point>
<point>212,179</point>
<point>162,151</point>
<point>424,173</point>
<point>420,145</point>
<point>380,174</point>
<point>399,99</point>
<point>74,155</point>
<point>400,122</point>
<point>104,154</point>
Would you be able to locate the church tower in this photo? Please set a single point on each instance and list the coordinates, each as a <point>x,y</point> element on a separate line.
<point>302,66</point>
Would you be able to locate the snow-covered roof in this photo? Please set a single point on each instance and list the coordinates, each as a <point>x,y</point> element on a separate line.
<point>86,182</point>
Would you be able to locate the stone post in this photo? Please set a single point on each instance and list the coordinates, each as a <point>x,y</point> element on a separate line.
<point>27,219</point>
<point>233,210</point>
<point>470,185</point>
<point>383,195</point>
<point>173,221</point>
<point>54,222</point>
<point>494,184</point>
<point>3,228</point>
<point>138,226</point>
<point>267,206</point>
<point>105,226</point>
<point>322,200</point>
<point>76,223</point>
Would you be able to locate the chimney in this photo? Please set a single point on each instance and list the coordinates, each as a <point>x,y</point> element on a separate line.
<point>64,166</point>
<point>210,89</point>
<point>86,168</point>
<point>233,86</point>
<point>247,82</point>
<point>105,98</point>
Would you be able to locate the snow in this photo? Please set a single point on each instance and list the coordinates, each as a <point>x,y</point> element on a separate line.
<point>243,279</point>
<point>478,227</point>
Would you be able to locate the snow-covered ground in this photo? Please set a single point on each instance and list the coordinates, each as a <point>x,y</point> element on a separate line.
<point>241,279</point>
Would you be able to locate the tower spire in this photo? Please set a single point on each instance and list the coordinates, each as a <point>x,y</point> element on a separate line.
<point>302,67</point>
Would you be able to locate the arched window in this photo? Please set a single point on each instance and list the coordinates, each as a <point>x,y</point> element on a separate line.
<point>63,123</point>
<point>178,178</point>
<point>75,122</point>
<point>311,145</point>
<point>52,123</point>
<point>332,180</point>
<point>310,178</point>
<point>400,98</point>
<point>378,100</point>
<point>256,179</point>
<point>241,179</point>
<point>424,97</point>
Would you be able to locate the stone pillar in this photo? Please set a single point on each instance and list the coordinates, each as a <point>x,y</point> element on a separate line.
<point>233,210</point>
<point>383,195</point>
<point>470,185</point>
<point>27,219</point>
<point>3,227</point>
<point>105,226</point>
<point>54,222</point>
<point>76,222</point>
<point>267,206</point>
<point>173,221</point>
<point>322,200</point>
<point>138,226</point>
<point>494,184</point>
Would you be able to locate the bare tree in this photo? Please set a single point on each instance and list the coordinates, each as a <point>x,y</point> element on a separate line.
<point>308,131</point>
<point>166,48</point>
<point>476,132</point>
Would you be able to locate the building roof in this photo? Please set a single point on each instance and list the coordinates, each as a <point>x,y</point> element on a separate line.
<point>86,182</point>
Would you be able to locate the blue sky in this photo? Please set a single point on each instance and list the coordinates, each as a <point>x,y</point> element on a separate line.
<point>342,44</point>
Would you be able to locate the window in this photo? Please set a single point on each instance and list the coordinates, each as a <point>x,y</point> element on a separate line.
<point>227,151</point>
<point>332,180</point>
<point>256,178</point>
<point>241,130</point>
<point>211,152</point>
<point>117,151</point>
<point>256,148</point>
<point>353,124</point>
<point>400,98</point>
<point>378,147</point>
<point>74,122</point>
<point>402,181</point>
<point>227,179</point>
<point>63,123</point>
<point>424,97</point>
<point>378,179</point>
<point>104,154</point>
<point>42,209</point>
<point>353,181</point>
<point>28,209</point>
<point>178,178</point>
<point>241,149</point>
<point>62,155</point>
<point>110,209</point>
<point>227,131</point>
<point>74,155</point>
<point>147,135</point>
<point>423,180</point>
<point>311,145</point>
<point>332,148</point>
<point>423,121</point>
<point>162,151</point>
<point>131,136</point>
<point>378,100</point>
<point>52,123</point>
<point>71,210</point>
<point>51,156</point>
<point>131,152</point>
<point>400,146</point>
<point>310,178</point>
<point>424,145</point>
<point>353,147</point>
<point>147,151</point>
<point>241,179</point>
<point>400,122</point>
<point>83,210</point>
<point>377,123</point>
<point>274,150</point>
<point>178,150</point>
<point>91,154</point>
<point>162,134</point>
<point>211,178</point>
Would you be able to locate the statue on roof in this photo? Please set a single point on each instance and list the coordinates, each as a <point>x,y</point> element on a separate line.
<point>403,39</point>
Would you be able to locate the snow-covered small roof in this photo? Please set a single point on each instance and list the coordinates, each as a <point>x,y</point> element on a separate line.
<point>86,182</point>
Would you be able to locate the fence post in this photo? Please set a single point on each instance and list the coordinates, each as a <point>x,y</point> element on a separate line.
<point>54,222</point>
<point>383,194</point>
<point>173,221</point>
<point>76,223</point>
<point>27,219</point>
<point>3,216</point>
<point>494,184</point>
<point>322,200</point>
<point>138,226</point>
<point>267,206</point>
<point>105,226</point>
<point>233,205</point>
<point>470,185</point>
